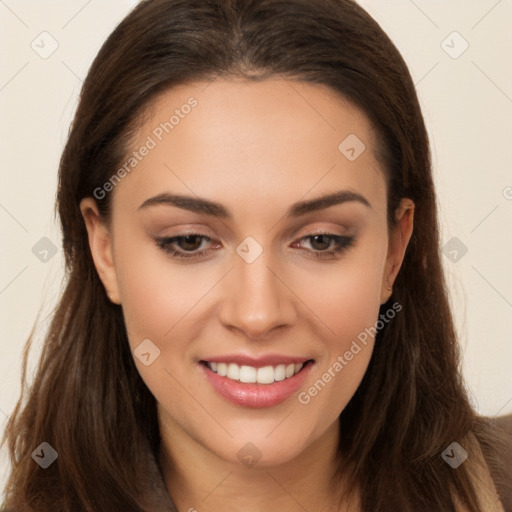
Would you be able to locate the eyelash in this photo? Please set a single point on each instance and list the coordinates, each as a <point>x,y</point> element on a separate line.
<point>166,243</point>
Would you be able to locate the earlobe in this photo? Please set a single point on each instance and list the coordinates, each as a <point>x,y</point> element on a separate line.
<point>398,242</point>
<point>100,244</point>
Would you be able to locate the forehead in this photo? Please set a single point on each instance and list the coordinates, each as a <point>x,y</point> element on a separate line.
<point>248,140</point>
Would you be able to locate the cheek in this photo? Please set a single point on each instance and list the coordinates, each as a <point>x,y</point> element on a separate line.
<point>169,304</point>
<point>345,296</point>
<point>159,299</point>
<point>351,314</point>
<point>156,294</point>
<point>346,300</point>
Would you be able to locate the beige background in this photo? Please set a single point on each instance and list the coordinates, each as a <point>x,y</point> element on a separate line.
<point>467,103</point>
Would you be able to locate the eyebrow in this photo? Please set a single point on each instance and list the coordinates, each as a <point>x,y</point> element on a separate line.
<point>200,205</point>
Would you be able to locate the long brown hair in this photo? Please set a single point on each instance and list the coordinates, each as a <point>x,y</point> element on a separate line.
<point>87,399</point>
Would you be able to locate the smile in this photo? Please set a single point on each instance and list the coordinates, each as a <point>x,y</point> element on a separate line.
<point>251,375</point>
<point>256,383</point>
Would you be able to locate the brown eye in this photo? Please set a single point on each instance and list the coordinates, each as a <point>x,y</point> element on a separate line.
<point>185,246</point>
<point>320,242</point>
<point>326,245</point>
<point>189,242</point>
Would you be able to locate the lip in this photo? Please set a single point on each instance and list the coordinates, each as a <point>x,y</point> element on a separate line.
<point>256,395</point>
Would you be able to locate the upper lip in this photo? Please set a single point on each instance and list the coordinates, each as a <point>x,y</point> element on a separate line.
<point>256,362</point>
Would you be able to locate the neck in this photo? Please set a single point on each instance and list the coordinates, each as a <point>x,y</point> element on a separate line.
<point>199,480</point>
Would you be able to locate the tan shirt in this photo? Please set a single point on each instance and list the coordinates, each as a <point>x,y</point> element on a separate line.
<point>483,481</point>
<point>488,479</point>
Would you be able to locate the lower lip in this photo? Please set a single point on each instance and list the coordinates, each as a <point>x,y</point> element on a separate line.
<point>256,395</point>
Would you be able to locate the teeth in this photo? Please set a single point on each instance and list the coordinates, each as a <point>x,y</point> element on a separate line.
<point>222,369</point>
<point>233,371</point>
<point>265,375</point>
<point>249,374</point>
<point>280,372</point>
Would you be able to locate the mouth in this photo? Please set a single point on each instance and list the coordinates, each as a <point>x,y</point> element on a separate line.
<point>253,375</point>
<point>256,383</point>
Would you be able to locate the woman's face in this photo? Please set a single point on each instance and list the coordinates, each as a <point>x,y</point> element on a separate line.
<point>266,277</point>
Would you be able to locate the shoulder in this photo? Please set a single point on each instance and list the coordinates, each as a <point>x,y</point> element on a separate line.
<point>157,496</point>
<point>495,437</point>
<point>504,423</point>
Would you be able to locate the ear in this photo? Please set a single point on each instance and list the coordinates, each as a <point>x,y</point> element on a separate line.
<point>398,241</point>
<point>100,243</point>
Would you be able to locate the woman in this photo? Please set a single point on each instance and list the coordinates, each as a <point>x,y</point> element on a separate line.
<point>255,316</point>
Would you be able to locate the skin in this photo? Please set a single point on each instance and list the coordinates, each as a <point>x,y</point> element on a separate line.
<point>257,148</point>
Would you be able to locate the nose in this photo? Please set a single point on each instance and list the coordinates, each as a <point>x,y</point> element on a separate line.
<point>256,300</point>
